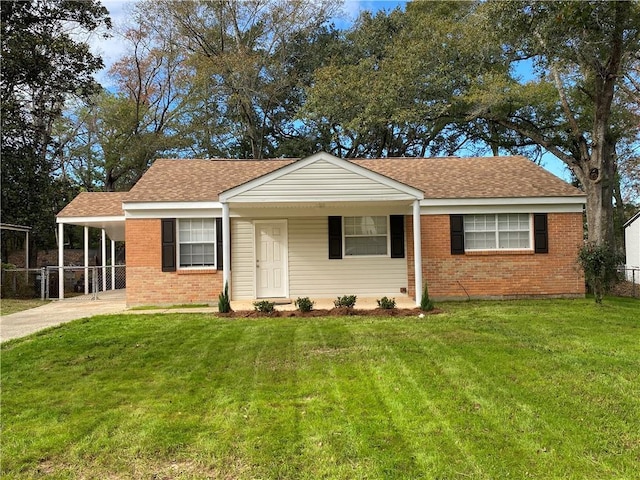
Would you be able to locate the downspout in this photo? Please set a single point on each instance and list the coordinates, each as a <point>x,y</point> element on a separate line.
<point>417,250</point>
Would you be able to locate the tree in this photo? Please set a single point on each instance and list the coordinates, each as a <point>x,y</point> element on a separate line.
<point>581,52</point>
<point>109,143</point>
<point>239,54</point>
<point>43,65</point>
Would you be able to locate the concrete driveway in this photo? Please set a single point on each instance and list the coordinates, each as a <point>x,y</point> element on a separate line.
<point>26,322</point>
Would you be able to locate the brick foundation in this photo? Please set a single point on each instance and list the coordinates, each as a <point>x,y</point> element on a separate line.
<point>506,274</point>
<point>147,284</point>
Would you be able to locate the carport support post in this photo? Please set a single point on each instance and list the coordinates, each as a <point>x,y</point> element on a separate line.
<point>60,261</point>
<point>417,250</point>
<point>113,264</point>
<point>103,244</point>
<point>226,246</point>
<point>86,260</point>
<point>26,251</point>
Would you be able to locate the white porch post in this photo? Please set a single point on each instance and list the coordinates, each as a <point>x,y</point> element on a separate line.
<point>417,250</point>
<point>86,260</point>
<point>226,246</point>
<point>103,244</point>
<point>113,264</point>
<point>26,251</point>
<point>60,261</point>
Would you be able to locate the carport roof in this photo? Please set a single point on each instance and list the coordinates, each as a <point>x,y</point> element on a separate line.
<point>95,204</point>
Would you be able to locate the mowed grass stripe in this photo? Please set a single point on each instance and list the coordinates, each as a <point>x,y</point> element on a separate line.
<point>543,389</point>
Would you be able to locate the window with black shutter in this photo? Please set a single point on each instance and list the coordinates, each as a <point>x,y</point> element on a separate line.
<point>219,244</point>
<point>335,237</point>
<point>168,244</point>
<point>540,233</point>
<point>396,226</point>
<point>457,234</point>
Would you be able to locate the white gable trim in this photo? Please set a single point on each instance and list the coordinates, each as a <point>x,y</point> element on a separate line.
<point>232,194</point>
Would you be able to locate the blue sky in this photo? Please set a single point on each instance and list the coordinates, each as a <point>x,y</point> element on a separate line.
<point>113,48</point>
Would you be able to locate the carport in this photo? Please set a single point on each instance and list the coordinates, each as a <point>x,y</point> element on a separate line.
<point>101,210</point>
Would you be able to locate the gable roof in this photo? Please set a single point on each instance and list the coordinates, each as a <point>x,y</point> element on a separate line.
<point>321,177</point>
<point>448,177</point>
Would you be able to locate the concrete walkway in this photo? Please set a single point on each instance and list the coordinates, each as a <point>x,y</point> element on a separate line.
<point>24,323</point>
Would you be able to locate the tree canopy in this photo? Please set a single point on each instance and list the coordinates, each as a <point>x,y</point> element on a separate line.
<point>271,78</point>
<point>43,66</point>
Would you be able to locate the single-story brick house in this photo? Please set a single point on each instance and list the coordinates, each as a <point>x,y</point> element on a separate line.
<point>322,226</point>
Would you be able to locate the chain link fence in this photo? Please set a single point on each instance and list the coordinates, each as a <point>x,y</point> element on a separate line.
<point>43,282</point>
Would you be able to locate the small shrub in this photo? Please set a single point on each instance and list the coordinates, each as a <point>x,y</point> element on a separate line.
<point>600,264</point>
<point>387,303</point>
<point>264,306</point>
<point>304,304</point>
<point>224,304</point>
<point>347,301</point>
<point>426,305</point>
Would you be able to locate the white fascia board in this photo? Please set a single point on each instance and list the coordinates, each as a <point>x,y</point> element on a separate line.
<point>338,162</point>
<point>311,199</point>
<point>171,209</point>
<point>503,205</point>
<point>631,220</point>
<point>89,220</point>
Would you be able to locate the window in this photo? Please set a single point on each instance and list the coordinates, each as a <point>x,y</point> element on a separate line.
<point>365,236</point>
<point>493,232</point>
<point>196,242</point>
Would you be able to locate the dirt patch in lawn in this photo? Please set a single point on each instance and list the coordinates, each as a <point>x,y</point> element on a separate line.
<point>334,312</point>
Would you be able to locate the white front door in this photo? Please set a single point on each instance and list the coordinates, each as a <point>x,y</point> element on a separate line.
<point>271,258</point>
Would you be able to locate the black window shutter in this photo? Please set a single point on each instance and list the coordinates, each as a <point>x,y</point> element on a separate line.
<point>219,263</point>
<point>335,237</point>
<point>168,244</point>
<point>396,224</point>
<point>540,233</point>
<point>457,234</point>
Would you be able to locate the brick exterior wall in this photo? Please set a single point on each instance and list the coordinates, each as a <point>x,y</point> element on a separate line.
<point>147,284</point>
<point>507,274</point>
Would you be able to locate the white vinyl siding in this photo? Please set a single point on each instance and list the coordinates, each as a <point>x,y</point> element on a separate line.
<point>322,181</point>
<point>242,259</point>
<point>497,231</point>
<point>196,242</point>
<point>311,273</point>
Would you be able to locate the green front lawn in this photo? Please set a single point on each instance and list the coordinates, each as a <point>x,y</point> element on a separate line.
<point>13,305</point>
<point>544,390</point>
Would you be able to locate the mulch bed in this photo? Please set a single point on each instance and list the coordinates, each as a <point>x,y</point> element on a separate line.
<point>334,312</point>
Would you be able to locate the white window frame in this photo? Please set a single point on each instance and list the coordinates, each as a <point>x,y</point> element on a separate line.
<point>344,238</point>
<point>497,232</point>
<point>179,243</point>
